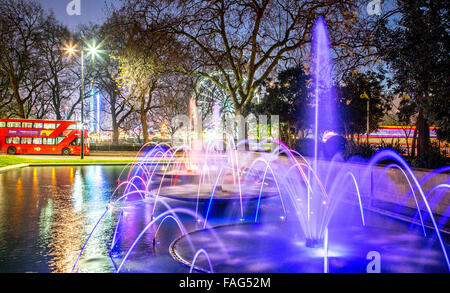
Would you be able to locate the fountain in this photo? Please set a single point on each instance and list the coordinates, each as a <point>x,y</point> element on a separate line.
<point>237,211</point>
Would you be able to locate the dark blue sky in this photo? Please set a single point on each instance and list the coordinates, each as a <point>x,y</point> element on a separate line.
<point>91,11</point>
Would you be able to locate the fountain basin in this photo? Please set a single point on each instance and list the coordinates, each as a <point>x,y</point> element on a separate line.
<point>223,193</point>
<point>257,248</point>
<point>178,177</point>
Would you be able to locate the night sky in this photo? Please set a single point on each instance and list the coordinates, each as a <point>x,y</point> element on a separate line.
<point>91,11</point>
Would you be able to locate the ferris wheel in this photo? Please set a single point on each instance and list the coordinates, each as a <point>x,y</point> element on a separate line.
<point>209,96</point>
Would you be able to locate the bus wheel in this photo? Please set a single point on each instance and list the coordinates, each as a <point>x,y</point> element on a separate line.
<point>12,151</point>
<point>66,152</point>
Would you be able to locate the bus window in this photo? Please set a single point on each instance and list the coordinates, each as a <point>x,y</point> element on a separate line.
<point>48,140</point>
<point>49,125</point>
<point>38,125</point>
<point>13,140</point>
<point>74,126</point>
<point>76,141</point>
<point>37,140</point>
<point>59,139</point>
<point>14,124</point>
<point>26,140</point>
<point>27,125</point>
<point>2,124</point>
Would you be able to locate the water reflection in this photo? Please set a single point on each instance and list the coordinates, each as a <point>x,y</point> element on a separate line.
<point>77,190</point>
<point>46,214</point>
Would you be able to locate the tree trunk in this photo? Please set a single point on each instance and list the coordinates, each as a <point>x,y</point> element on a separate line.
<point>423,142</point>
<point>21,110</point>
<point>407,135</point>
<point>57,98</point>
<point>115,126</point>
<point>288,132</point>
<point>58,112</point>
<point>115,136</point>
<point>241,133</point>
<point>20,104</point>
<point>247,143</point>
<point>144,127</point>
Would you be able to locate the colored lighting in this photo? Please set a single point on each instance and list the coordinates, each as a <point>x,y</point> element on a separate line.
<point>98,113</point>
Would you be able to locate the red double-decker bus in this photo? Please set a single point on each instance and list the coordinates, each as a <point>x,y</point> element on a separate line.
<point>22,136</point>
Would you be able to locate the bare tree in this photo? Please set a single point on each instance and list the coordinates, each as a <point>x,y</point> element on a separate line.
<point>6,99</point>
<point>63,82</point>
<point>21,33</point>
<point>174,98</point>
<point>117,106</point>
<point>242,39</point>
<point>145,62</point>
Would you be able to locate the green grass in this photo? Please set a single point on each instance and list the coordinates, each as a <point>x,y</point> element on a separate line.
<point>6,160</point>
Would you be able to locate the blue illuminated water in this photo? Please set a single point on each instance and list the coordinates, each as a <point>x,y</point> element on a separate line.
<point>47,213</point>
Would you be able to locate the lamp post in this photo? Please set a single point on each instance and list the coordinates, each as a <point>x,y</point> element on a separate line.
<point>82,105</point>
<point>93,50</point>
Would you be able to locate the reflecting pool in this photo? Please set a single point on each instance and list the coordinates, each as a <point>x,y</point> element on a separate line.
<point>46,214</point>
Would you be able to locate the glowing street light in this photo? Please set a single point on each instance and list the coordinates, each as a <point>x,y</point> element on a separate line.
<point>70,49</point>
<point>93,50</point>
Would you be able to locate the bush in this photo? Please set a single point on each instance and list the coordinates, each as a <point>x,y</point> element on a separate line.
<point>430,159</point>
<point>306,147</point>
<point>334,145</point>
<point>362,150</point>
<point>396,147</point>
<point>327,150</point>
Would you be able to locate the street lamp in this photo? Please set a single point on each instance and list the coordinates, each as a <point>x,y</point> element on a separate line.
<point>93,51</point>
